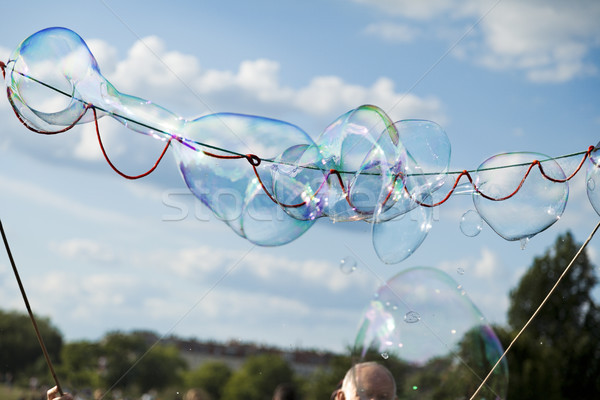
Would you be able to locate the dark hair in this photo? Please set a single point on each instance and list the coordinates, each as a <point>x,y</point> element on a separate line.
<point>285,391</point>
<point>338,387</point>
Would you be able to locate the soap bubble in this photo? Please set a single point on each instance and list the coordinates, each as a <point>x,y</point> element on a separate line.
<point>348,265</point>
<point>534,207</point>
<point>397,239</point>
<point>412,317</point>
<point>593,180</point>
<point>447,353</point>
<point>471,223</point>
<point>269,181</point>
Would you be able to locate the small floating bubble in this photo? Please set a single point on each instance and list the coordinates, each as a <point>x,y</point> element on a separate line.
<point>385,356</point>
<point>348,265</point>
<point>412,317</point>
<point>460,271</point>
<point>471,223</point>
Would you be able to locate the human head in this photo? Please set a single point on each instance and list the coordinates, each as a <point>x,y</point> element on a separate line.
<point>196,394</point>
<point>284,391</point>
<point>368,381</point>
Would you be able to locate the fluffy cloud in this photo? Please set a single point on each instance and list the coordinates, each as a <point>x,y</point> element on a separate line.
<point>550,41</point>
<point>392,32</point>
<point>84,249</point>
<point>151,70</point>
<point>420,10</point>
<point>199,261</point>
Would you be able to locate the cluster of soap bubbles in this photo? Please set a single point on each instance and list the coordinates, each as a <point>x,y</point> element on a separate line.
<point>423,326</point>
<point>270,181</point>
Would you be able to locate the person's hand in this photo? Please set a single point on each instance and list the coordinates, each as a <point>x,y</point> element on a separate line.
<point>53,394</point>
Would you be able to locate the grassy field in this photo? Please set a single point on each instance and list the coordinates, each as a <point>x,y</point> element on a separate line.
<point>15,393</point>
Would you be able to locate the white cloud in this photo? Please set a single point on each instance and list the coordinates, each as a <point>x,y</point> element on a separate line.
<point>392,32</point>
<point>550,41</point>
<point>203,259</point>
<point>311,272</point>
<point>87,147</point>
<point>159,73</point>
<point>325,94</point>
<point>197,262</point>
<point>84,249</point>
<point>4,53</point>
<point>414,9</point>
<point>54,201</point>
<point>149,64</point>
<point>488,264</point>
<point>105,54</point>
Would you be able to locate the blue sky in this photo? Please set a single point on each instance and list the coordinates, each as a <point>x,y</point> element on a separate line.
<point>98,253</point>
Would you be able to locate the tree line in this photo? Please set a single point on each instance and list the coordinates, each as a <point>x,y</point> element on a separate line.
<point>557,357</point>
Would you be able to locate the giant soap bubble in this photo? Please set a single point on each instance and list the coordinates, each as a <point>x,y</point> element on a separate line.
<point>422,325</point>
<point>537,202</point>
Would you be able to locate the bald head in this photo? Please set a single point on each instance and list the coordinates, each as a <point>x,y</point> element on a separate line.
<point>368,381</point>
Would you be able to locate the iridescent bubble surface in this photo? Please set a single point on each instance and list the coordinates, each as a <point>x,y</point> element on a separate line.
<point>428,156</point>
<point>471,223</point>
<point>270,181</point>
<point>593,180</point>
<point>434,336</point>
<point>536,205</point>
<point>396,239</point>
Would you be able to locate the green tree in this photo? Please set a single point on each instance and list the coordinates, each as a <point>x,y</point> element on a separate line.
<point>323,381</point>
<point>80,364</point>
<point>561,346</point>
<point>258,378</point>
<point>20,351</point>
<point>210,376</point>
<point>137,361</point>
<point>159,368</point>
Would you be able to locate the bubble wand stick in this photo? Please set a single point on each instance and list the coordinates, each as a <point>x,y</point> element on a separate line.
<point>31,317</point>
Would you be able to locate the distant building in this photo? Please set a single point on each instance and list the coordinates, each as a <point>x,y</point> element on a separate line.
<point>234,353</point>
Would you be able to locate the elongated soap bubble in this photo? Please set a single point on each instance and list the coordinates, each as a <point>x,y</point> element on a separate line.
<point>434,338</point>
<point>53,78</point>
<point>230,187</point>
<point>536,205</point>
<point>59,58</point>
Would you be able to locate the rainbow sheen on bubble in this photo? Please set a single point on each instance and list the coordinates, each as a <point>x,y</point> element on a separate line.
<point>433,337</point>
<point>592,179</point>
<point>269,181</point>
<point>537,205</point>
